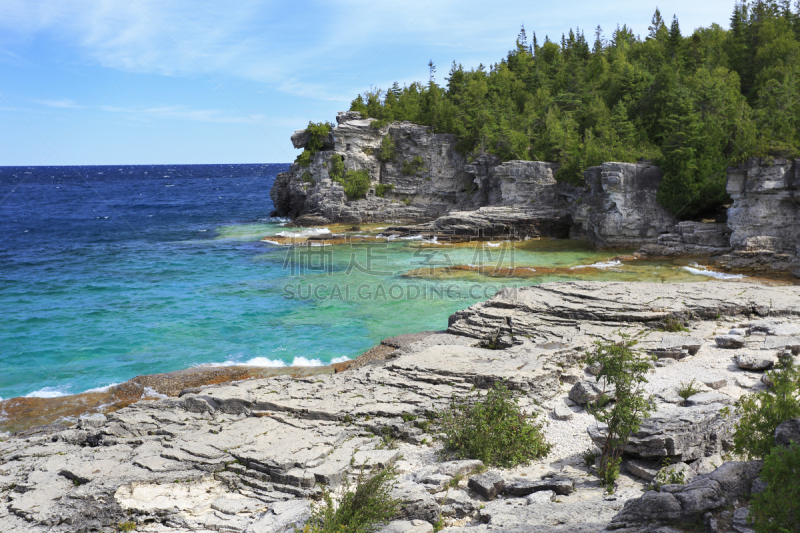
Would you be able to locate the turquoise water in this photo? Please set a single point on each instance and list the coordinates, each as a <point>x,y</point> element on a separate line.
<point>111,272</point>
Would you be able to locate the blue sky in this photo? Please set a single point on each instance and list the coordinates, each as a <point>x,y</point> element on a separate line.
<point>207,81</point>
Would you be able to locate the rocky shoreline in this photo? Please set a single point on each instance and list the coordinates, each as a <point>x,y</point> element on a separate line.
<point>254,455</point>
<point>428,188</point>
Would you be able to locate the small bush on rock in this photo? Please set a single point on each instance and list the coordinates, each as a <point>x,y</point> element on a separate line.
<point>337,167</point>
<point>493,429</point>
<point>777,509</point>
<point>360,510</point>
<point>686,390</point>
<point>356,184</point>
<point>382,188</point>
<point>414,166</point>
<point>387,150</point>
<point>623,371</point>
<point>760,413</point>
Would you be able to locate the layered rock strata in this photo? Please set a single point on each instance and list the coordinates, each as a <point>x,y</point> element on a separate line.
<point>255,455</point>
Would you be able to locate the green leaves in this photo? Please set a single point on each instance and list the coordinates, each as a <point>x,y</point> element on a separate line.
<point>777,509</point>
<point>761,412</point>
<point>622,373</point>
<point>493,429</point>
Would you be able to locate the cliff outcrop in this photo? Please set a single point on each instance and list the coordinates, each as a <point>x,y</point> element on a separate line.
<point>427,186</point>
<point>427,182</point>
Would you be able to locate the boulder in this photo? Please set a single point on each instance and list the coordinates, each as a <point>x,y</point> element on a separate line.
<point>585,391</point>
<point>562,412</point>
<point>755,361</point>
<point>460,468</point>
<point>706,398</point>
<point>538,498</point>
<point>678,433</point>
<point>715,383</point>
<point>730,341</point>
<point>418,504</point>
<point>688,503</point>
<point>646,470</point>
<point>559,485</point>
<point>788,432</point>
<point>706,465</point>
<point>488,485</point>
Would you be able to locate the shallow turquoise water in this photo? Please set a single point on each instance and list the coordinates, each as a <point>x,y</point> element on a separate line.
<point>108,273</point>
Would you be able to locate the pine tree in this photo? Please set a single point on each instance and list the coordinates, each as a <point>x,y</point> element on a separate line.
<point>598,40</point>
<point>656,25</point>
<point>675,38</point>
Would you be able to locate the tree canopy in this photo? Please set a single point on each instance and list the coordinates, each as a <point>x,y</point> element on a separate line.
<point>694,105</point>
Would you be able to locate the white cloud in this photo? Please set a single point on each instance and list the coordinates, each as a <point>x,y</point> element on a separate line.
<point>183,113</point>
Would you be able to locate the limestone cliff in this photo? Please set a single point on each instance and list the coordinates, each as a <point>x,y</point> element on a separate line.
<point>428,186</point>
<point>616,208</point>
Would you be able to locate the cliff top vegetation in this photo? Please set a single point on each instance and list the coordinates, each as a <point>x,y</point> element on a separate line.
<point>694,105</point>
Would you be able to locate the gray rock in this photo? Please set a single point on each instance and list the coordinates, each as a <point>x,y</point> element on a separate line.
<point>435,482</point>
<point>715,383</point>
<point>283,517</point>
<point>706,398</point>
<point>740,524</point>
<point>792,343</point>
<point>407,526</point>
<point>562,412</point>
<point>788,432</point>
<point>680,472</point>
<point>689,502</point>
<point>538,498</point>
<point>679,433</point>
<point>488,485</point>
<point>678,346</point>
<point>585,391</point>
<point>418,504</point>
<point>460,468</point>
<point>559,485</point>
<point>730,341</point>
<point>706,465</point>
<point>646,470</point>
<point>755,361</point>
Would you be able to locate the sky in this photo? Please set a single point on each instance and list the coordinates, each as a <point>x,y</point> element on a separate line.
<point>107,82</point>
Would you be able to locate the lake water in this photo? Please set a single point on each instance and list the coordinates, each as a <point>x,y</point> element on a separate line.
<point>111,272</point>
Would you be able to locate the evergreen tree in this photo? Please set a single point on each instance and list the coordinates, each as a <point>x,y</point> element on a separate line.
<point>657,26</point>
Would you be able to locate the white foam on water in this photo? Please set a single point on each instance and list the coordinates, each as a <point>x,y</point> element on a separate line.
<point>271,242</point>
<point>151,393</point>
<point>492,244</point>
<point>413,238</point>
<point>700,270</point>
<point>308,232</point>
<point>341,359</point>
<point>277,363</point>
<point>102,389</point>
<point>47,392</point>
<point>601,264</point>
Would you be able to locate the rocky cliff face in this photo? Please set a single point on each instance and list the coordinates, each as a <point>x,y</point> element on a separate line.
<point>765,216</point>
<point>617,208</point>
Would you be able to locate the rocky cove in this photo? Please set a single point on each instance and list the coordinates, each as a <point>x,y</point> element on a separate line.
<point>428,188</point>
<point>254,455</point>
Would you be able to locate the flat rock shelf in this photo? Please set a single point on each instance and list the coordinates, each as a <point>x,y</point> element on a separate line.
<point>255,455</point>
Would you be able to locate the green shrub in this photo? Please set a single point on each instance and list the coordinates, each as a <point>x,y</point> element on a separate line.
<point>382,188</point>
<point>407,201</point>
<point>337,167</point>
<point>688,389</point>
<point>318,131</point>
<point>307,177</point>
<point>304,159</point>
<point>414,166</point>
<point>126,526</point>
<point>623,370</point>
<point>356,183</point>
<point>760,413</point>
<point>387,149</point>
<point>673,325</point>
<point>493,429</point>
<point>361,510</point>
<point>777,509</point>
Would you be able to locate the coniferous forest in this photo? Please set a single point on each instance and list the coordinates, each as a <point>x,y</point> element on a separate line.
<point>691,104</point>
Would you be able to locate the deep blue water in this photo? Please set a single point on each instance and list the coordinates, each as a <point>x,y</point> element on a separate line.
<point>111,272</point>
